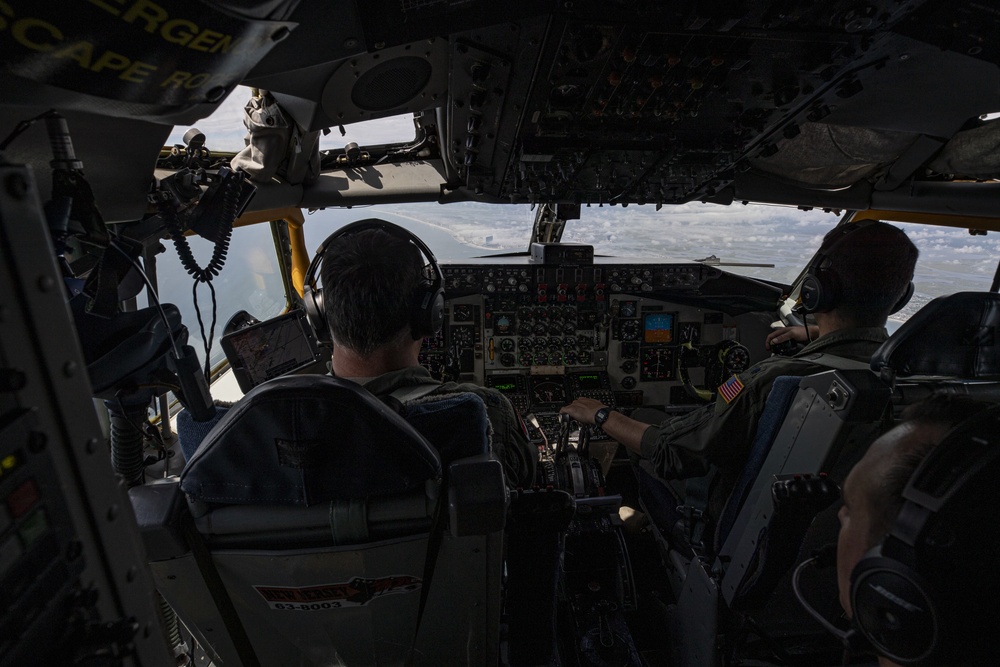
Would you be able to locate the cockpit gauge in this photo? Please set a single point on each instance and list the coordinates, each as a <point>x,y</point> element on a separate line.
<point>503,324</point>
<point>689,332</point>
<point>507,359</point>
<point>584,357</point>
<point>507,345</point>
<point>524,344</point>
<point>656,364</point>
<point>462,336</point>
<point>629,366</point>
<point>541,313</point>
<point>736,360</point>
<point>555,359</point>
<point>627,309</point>
<point>524,359</point>
<point>541,329</point>
<point>555,344</point>
<point>462,312</point>
<point>628,330</point>
<point>628,382</point>
<point>569,328</point>
<point>546,391</point>
<point>540,359</point>
<point>569,342</point>
<point>570,357</point>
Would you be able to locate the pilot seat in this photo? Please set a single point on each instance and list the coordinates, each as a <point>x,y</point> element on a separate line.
<point>316,526</point>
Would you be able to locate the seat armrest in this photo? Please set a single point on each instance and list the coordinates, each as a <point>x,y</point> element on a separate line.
<point>160,510</point>
<point>477,496</point>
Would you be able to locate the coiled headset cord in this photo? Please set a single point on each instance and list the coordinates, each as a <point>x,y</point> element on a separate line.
<point>230,203</point>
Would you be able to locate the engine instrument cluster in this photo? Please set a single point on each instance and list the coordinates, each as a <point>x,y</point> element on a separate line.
<point>544,335</point>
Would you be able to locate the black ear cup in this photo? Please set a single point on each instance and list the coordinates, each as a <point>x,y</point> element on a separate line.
<point>894,609</point>
<point>312,297</point>
<point>819,291</point>
<point>428,312</point>
<point>904,299</point>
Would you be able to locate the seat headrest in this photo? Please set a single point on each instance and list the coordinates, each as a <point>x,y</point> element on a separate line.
<point>456,424</point>
<point>307,439</point>
<point>952,336</point>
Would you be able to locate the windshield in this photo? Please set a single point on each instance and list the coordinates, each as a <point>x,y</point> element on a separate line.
<point>950,260</point>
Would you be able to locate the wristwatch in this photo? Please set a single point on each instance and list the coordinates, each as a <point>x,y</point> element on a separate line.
<point>601,416</point>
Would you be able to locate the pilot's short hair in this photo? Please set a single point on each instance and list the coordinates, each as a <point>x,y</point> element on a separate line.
<point>874,266</point>
<point>369,278</point>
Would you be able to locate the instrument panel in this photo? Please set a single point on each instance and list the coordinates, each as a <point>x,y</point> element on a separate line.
<point>544,335</point>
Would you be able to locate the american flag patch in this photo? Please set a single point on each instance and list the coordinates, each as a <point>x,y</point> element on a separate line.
<point>731,388</point>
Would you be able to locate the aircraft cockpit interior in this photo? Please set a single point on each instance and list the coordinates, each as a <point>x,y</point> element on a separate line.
<point>187,480</point>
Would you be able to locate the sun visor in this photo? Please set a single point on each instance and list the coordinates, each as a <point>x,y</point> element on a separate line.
<point>134,58</point>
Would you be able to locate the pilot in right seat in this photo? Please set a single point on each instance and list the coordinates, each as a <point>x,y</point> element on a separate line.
<point>380,300</point>
<point>861,274</point>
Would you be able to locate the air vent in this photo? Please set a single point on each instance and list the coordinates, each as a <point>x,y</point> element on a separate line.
<point>391,84</point>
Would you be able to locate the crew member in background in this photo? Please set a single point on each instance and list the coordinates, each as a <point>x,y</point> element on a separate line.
<point>864,272</point>
<point>932,586</point>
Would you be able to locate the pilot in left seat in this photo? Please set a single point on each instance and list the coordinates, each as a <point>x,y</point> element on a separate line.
<point>379,300</point>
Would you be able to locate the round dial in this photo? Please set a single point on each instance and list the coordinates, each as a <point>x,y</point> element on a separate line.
<point>507,345</point>
<point>462,336</point>
<point>503,325</point>
<point>570,357</point>
<point>569,328</point>
<point>628,382</point>
<point>541,313</point>
<point>524,359</point>
<point>548,392</point>
<point>555,358</point>
<point>584,357</point>
<point>736,360</point>
<point>507,359</point>
<point>629,366</point>
<point>689,332</point>
<point>462,312</point>
<point>555,344</point>
<point>541,329</point>
<point>524,344</point>
<point>540,359</point>
<point>627,309</point>
<point>657,364</point>
<point>555,328</point>
<point>629,330</point>
<point>569,342</point>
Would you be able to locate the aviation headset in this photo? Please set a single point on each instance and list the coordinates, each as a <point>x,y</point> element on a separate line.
<point>820,290</point>
<point>427,313</point>
<point>896,605</point>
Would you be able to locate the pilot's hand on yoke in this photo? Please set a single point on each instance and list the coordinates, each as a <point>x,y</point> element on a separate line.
<point>582,410</point>
<point>796,334</point>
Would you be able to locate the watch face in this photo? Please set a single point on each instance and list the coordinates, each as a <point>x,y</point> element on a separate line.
<point>601,416</point>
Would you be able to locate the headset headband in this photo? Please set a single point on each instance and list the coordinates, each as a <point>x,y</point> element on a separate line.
<point>427,313</point>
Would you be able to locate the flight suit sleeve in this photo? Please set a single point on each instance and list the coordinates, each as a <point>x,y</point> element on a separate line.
<point>717,433</point>
<point>510,442</point>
